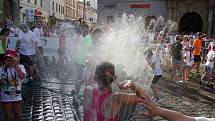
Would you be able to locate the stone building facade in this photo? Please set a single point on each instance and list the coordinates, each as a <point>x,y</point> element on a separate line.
<point>71,7</point>
<point>10,8</point>
<point>108,10</point>
<point>192,15</point>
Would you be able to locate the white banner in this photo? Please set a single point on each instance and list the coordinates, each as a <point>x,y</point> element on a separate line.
<point>50,45</point>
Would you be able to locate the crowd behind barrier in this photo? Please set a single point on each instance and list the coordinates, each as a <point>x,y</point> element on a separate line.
<point>50,45</point>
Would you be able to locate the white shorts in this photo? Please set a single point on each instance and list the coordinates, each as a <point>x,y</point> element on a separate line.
<point>204,119</point>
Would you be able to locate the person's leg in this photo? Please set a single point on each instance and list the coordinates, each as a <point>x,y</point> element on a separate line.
<point>154,86</point>
<point>17,110</point>
<point>183,72</point>
<point>78,86</point>
<point>204,76</point>
<point>7,107</point>
<point>198,66</point>
<point>173,74</point>
<point>154,90</point>
<point>178,73</point>
<point>186,76</point>
<point>193,66</point>
<point>31,64</point>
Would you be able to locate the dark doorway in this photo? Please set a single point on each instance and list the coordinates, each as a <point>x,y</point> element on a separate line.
<point>190,22</point>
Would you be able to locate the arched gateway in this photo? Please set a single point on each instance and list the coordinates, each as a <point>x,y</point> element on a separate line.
<point>190,22</point>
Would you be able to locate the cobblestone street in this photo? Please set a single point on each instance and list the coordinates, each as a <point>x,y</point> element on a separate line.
<point>53,101</point>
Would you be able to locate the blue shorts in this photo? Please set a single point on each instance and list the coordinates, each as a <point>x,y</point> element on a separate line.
<point>176,62</point>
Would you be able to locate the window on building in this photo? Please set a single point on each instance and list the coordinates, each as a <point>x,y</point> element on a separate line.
<point>91,19</point>
<point>67,11</point>
<point>63,10</point>
<point>110,19</point>
<point>41,3</point>
<point>73,1</point>
<point>56,5</point>
<point>53,5</point>
<point>29,1</point>
<point>35,2</point>
<point>59,8</point>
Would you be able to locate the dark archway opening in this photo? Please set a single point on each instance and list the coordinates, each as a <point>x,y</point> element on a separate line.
<point>190,22</point>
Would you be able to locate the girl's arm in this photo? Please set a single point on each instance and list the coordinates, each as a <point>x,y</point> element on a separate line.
<point>169,115</point>
<point>115,102</point>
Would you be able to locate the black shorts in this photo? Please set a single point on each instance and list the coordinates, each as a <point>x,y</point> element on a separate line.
<point>156,79</point>
<point>27,59</point>
<point>2,57</point>
<point>197,58</point>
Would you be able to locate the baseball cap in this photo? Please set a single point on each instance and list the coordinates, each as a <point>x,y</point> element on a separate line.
<point>10,53</point>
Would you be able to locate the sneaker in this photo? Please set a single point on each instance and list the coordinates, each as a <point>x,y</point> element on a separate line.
<point>211,86</point>
<point>152,98</point>
<point>156,100</point>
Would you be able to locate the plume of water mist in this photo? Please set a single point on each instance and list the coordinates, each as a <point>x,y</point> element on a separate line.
<point>122,42</point>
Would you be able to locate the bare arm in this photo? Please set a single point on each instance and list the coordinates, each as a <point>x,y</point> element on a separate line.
<point>174,115</point>
<point>170,115</point>
<point>17,45</point>
<point>115,102</point>
<point>140,92</point>
<point>21,75</point>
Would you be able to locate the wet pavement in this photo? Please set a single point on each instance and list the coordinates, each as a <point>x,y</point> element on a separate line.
<point>52,100</point>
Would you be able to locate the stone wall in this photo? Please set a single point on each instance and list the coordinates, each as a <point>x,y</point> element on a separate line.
<point>113,8</point>
<point>177,8</point>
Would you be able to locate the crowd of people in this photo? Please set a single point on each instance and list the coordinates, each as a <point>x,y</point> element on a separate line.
<point>20,62</point>
<point>180,56</point>
<point>188,52</point>
<point>100,103</point>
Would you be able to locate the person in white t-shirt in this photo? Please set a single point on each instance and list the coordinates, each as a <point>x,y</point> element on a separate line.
<point>167,114</point>
<point>209,68</point>
<point>154,62</point>
<point>187,57</point>
<point>11,77</point>
<point>38,31</point>
<point>26,44</point>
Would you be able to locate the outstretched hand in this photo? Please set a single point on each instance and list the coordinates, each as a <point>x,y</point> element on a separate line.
<point>153,110</point>
<point>126,84</point>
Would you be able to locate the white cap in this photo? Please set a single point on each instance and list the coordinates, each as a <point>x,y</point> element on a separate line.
<point>12,29</point>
